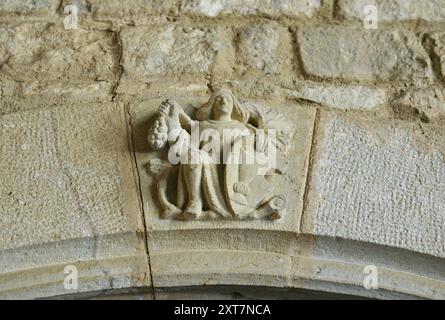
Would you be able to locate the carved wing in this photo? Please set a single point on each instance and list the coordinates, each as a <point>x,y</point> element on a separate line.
<point>267,119</point>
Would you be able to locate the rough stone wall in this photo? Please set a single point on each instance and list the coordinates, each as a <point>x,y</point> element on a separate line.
<point>374,173</point>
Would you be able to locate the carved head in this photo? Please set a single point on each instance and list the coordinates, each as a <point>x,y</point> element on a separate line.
<point>222,102</point>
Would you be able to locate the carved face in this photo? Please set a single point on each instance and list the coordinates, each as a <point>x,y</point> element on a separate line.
<point>223,105</point>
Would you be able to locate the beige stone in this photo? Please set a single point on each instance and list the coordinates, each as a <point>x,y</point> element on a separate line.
<point>116,9</point>
<point>398,10</point>
<point>261,48</point>
<point>439,50</point>
<point>43,57</point>
<point>28,7</point>
<point>343,97</point>
<point>257,89</point>
<point>293,171</point>
<point>295,8</point>
<point>428,104</point>
<point>279,259</point>
<point>360,54</point>
<point>68,196</point>
<point>86,185</point>
<point>16,97</point>
<point>70,150</point>
<point>245,146</point>
<point>172,51</point>
<point>379,182</point>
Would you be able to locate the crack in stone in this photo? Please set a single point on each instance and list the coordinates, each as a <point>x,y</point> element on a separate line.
<point>130,133</point>
<point>119,64</point>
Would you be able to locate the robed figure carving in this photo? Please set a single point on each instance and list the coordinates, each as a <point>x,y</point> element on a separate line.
<point>219,161</point>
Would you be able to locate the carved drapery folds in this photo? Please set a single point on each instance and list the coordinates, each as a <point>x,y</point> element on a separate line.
<point>220,160</point>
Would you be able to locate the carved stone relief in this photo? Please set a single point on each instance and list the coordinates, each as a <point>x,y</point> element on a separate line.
<point>222,160</point>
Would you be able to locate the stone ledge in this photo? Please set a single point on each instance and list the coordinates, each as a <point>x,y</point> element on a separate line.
<point>227,257</point>
<point>114,273</point>
<point>111,262</point>
<point>316,267</point>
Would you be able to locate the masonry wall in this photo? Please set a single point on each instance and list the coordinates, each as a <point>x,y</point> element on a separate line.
<point>374,176</point>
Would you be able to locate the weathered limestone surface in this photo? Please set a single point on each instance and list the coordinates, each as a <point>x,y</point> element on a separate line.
<point>343,97</point>
<point>238,257</point>
<point>116,9</point>
<point>359,54</point>
<point>85,153</point>
<point>261,48</point>
<point>43,58</point>
<point>428,103</point>
<point>365,177</point>
<point>28,6</point>
<point>68,195</point>
<point>396,10</point>
<point>171,51</point>
<point>439,50</point>
<point>380,182</point>
<point>292,8</point>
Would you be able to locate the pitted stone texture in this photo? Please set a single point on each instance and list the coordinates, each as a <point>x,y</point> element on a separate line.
<point>395,10</point>
<point>38,54</point>
<point>359,54</point>
<point>28,6</point>
<point>67,173</point>
<point>380,182</point>
<point>118,9</point>
<point>291,8</point>
<point>428,103</point>
<point>35,96</point>
<point>439,50</point>
<point>343,97</point>
<point>170,51</point>
<point>259,48</point>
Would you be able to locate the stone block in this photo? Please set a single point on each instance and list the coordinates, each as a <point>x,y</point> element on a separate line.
<point>359,54</point>
<point>291,8</point>
<point>172,51</point>
<point>343,97</point>
<point>380,182</point>
<point>398,10</point>
<point>68,197</point>
<point>41,56</point>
